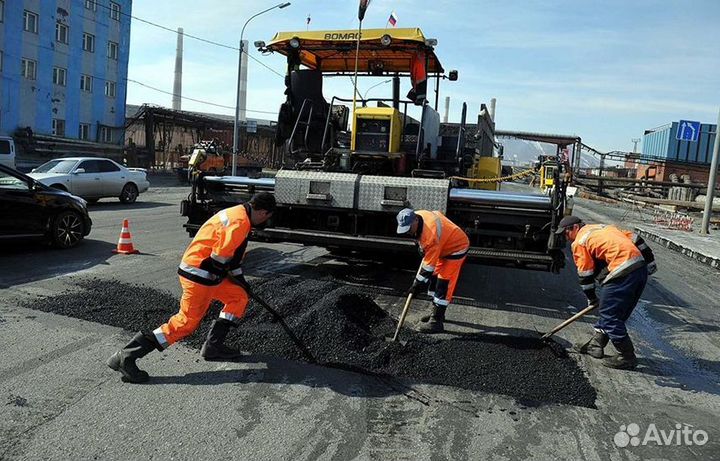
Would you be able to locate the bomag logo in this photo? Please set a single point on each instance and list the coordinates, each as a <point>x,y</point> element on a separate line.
<point>341,36</point>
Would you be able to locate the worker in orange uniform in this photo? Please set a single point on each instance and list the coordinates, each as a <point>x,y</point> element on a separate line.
<point>444,246</point>
<point>210,269</point>
<point>620,261</point>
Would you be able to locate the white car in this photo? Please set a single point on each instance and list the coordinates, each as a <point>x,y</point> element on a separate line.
<point>93,178</point>
<point>7,151</point>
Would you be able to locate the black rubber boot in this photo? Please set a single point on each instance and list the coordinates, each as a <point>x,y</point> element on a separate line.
<point>124,359</point>
<point>596,346</point>
<point>214,349</point>
<point>435,323</point>
<point>626,358</point>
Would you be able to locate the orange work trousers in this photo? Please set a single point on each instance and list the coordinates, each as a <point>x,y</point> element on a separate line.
<point>444,280</point>
<point>194,304</point>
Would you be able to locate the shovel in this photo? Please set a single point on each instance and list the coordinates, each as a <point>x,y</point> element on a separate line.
<point>404,311</point>
<point>567,322</point>
<point>277,318</point>
<point>402,317</point>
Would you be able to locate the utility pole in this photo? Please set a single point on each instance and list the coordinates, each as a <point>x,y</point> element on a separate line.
<point>240,92</point>
<point>711,181</point>
<point>600,177</point>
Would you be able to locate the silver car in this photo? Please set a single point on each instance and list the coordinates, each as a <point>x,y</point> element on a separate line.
<point>93,178</point>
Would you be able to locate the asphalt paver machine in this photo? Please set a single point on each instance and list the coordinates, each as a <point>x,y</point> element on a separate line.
<point>345,173</point>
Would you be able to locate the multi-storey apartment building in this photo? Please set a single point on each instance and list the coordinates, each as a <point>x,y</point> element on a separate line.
<point>63,67</point>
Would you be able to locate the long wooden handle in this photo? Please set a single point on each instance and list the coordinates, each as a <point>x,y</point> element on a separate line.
<point>567,322</point>
<point>402,316</point>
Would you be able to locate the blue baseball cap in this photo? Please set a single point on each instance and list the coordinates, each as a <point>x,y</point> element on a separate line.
<point>405,219</point>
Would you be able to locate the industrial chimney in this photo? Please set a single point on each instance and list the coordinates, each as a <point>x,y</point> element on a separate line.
<point>492,109</point>
<point>177,85</point>
<point>447,109</point>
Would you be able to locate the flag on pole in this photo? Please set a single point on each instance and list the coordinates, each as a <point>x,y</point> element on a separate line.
<point>308,19</point>
<point>363,7</point>
<point>393,19</point>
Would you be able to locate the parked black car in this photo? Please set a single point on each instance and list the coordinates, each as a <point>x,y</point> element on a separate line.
<point>29,209</point>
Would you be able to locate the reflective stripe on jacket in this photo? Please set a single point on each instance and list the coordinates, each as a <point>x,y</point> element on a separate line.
<point>218,247</point>
<point>439,239</point>
<point>597,246</point>
<point>641,245</point>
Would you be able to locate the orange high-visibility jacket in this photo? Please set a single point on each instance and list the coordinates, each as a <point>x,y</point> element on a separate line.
<point>597,246</point>
<point>439,239</point>
<point>218,247</point>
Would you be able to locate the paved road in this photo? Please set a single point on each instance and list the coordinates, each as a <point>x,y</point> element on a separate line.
<point>61,402</point>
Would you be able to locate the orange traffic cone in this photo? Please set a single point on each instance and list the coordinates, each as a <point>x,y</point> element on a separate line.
<point>125,245</point>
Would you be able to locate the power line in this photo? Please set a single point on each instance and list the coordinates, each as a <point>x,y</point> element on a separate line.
<point>263,64</point>
<point>95,77</point>
<point>195,37</point>
<point>182,97</point>
<point>211,42</point>
<point>55,50</point>
<point>197,100</point>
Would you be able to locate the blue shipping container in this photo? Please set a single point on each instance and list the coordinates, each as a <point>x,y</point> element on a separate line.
<point>662,143</point>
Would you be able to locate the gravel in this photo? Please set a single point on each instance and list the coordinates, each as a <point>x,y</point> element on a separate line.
<point>344,328</point>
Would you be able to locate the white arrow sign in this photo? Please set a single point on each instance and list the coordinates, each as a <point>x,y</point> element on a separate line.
<point>688,131</point>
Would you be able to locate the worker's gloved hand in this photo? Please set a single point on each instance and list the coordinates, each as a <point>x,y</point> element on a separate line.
<point>595,304</point>
<point>416,288</point>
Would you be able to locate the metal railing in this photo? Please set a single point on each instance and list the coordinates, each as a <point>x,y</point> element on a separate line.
<point>298,122</point>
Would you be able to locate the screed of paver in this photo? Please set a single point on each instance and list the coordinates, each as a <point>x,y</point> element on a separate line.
<point>343,327</point>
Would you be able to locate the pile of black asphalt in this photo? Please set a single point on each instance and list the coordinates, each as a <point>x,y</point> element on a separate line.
<point>343,327</point>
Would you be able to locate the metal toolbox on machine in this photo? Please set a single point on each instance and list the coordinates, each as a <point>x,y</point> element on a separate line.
<point>383,193</point>
<point>316,188</point>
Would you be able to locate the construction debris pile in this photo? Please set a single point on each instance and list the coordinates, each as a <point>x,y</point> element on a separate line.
<point>344,328</point>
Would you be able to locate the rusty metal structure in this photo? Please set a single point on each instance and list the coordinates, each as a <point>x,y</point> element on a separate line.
<point>157,137</point>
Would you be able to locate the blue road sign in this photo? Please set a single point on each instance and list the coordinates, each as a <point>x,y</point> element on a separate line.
<point>688,131</point>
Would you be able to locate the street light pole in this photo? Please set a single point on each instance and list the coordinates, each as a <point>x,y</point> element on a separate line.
<point>236,126</point>
<point>710,196</point>
<point>377,84</point>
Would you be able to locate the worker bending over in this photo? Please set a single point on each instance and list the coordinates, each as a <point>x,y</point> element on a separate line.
<point>210,269</point>
<point>444,247</point>
<point>620,261</point>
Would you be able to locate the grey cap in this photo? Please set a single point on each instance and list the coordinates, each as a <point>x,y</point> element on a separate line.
<point>567,221</point>
<point>405,219</point>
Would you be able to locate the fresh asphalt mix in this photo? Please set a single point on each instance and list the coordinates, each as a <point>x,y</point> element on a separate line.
<point>342,327</point>
<point>485,388</point>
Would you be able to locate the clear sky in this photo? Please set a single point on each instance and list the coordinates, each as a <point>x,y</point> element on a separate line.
<point>604,70</point>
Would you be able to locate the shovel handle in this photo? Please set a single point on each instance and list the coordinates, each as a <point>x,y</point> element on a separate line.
<point>280,320</point>
<point>402,316</point>
<point>287,329</point>
<point>572,319</point>
<point>405,309</point>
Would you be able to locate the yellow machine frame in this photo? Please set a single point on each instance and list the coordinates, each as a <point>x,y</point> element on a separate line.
<point>380,113</point>
<point>324,50</point>
<point>485,168</point>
